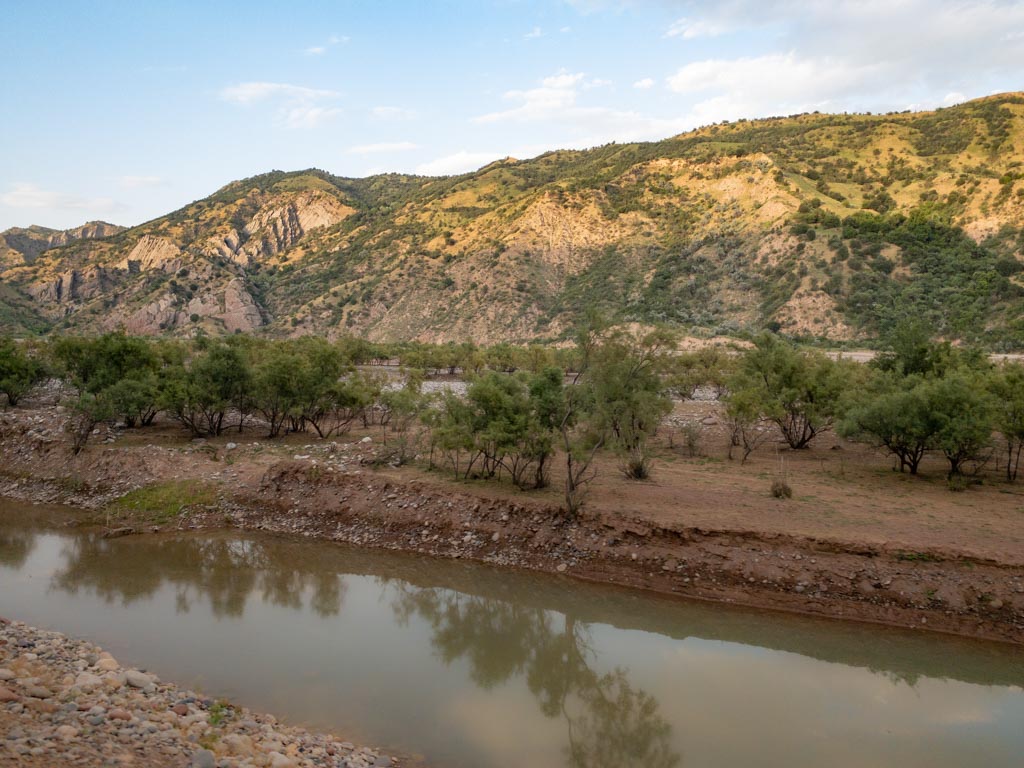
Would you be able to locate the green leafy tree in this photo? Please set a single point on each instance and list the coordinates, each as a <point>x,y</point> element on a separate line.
<point>628,392</point>
<point>894,414</point>
<point>964,416</point>
<point>1007,387</point>
<point>20,370</point>
<point>800,390</point>
<point>217,379</point>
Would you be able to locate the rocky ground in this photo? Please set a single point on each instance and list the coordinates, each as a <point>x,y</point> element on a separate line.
<point>64,702</point>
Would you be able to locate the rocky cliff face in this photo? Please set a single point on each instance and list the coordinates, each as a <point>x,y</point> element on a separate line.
<point>24,245</point>
<point>277,226</point>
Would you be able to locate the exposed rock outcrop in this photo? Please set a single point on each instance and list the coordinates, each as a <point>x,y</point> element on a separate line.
<point>277,227</point>
<point>23,245</point>
<point>73,285</point>
<point>152,253</point>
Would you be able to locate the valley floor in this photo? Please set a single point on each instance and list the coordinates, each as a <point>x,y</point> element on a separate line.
<point>856,541</point>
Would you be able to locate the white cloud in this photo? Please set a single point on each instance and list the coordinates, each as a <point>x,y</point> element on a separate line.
<point>384,146</point>
<point>297,105</point>
<point>556,103</point>
<point>252,92</point>
<point>138,182</point>
<point>953,97</point>
<point>459,162</point>
<point>556,93</point>
<point>644,85</point>
<point>769,85</point>
<point>321,49</point>
<point>307,115</point>
<point>565,30</point>
<point>534,33</point>
<point>393,113</point>
<point>689,29</point>
<point>27,195</point>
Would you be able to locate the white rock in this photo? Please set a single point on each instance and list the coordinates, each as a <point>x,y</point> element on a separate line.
<point>137,679</point>
<point>87,681</point>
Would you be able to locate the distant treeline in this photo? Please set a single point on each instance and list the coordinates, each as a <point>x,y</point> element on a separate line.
<point>525,408</point>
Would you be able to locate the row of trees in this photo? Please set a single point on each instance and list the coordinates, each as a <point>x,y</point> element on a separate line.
<point>918,398</point>
<point>505,424</point>
<point>538,406</point>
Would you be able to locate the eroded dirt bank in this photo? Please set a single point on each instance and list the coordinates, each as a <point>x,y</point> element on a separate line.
<point>327,491</point>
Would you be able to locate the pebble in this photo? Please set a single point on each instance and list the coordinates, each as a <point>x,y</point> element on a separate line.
<point>204,758</point>
<point>87,681</point>
<point>138,679</point>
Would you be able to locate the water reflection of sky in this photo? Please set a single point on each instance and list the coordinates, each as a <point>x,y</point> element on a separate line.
<point>502,671</point>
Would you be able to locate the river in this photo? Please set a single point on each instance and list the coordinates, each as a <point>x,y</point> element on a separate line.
<point>470,666</point>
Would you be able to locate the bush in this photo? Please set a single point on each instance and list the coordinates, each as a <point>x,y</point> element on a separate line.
<point>781,489</point>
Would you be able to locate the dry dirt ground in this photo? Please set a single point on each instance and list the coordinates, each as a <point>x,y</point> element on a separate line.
<point>857,540</point>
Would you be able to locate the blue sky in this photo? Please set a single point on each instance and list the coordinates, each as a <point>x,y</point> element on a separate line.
<point>124,111</point>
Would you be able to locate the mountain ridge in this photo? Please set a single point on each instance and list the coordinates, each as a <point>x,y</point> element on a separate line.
<point>818,225</point>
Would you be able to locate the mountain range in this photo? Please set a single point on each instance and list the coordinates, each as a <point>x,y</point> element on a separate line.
<point>822,226</point>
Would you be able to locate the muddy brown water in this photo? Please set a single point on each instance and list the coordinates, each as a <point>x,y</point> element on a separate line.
<point>464,665</point>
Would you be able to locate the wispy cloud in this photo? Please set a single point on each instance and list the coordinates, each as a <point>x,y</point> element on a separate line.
<point>28,195</point>
<point>643,85</point>
<point>382,147</point>
<point>556,103</point>
<point>139,182</point>
<point>297,105</point>
<point>252,92</point>
<point>534,33</point>
<point>322,48</point>
<point>459,162</point>
<point>689,29</point>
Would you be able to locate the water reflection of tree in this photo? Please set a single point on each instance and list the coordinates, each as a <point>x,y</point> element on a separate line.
<point>15,547</point>
<point>224,571</point>
<point>609,723</point>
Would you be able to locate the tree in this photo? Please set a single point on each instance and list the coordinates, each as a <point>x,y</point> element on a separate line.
<point>895,414</point>
<point>277,380</point>
<point>628,393</point>
<point>748,426</point>
<point>799,390</point>
<point>581,435</point>
<point>19,370</point>
<point>199,395</point>
<point>963,414</point>
<point>1007,387</point>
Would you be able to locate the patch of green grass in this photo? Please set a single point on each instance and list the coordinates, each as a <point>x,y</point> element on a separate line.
<point>162,502</point>
<point>219,712</point>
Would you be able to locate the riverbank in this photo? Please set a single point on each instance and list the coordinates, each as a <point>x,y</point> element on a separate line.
<point>954,582</point>
<point>65,702</point>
